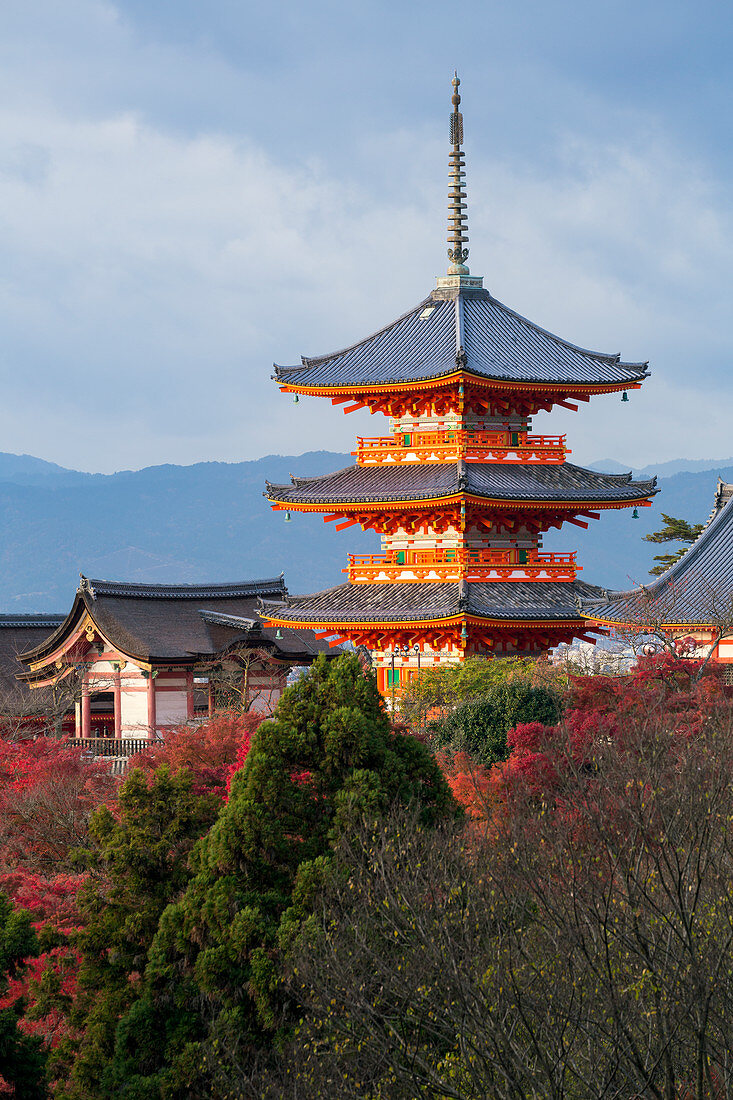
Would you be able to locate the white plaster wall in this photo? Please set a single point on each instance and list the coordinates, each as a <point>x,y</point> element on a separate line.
<point>134,705</point>
<point>171,707</point>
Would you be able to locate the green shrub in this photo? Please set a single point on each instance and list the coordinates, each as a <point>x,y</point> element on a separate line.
<point>479,726</point>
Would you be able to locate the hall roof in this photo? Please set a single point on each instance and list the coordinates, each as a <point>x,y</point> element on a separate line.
<point>154,622</point>
<point>17,634</point>
<point>461,330</point>
<point>693,591</point>
<point>389,603</point>
<point>426,481</point>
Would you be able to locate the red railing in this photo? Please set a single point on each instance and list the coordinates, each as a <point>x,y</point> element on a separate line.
<point>448,445</point>
<point>453,564</point>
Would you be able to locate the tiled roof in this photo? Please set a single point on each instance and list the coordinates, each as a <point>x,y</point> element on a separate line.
<point>357,484</point>
<point>430,340</point>
<point>30,622</point>
<point>693,590</point>
<point>238,589</point>
<point>17,634</point>
<point>178,622</point>
<point>554,600</point>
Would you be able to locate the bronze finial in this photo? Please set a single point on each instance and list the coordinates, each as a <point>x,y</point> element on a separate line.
<point>457,218</point>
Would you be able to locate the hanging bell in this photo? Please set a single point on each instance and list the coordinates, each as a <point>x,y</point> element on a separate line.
<point>296,399</point>
<point>278,633</point>
<point>625,396</point>
<point>287,517</point>
<point>635,513</point>
<point>464,634</point>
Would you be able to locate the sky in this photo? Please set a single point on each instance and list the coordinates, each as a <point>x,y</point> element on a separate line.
<point>192,190</point>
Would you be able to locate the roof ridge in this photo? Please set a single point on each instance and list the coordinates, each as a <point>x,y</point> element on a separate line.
<point>183,591</point>
<point>32,619</point>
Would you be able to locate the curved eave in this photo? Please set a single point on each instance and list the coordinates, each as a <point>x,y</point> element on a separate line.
<point>346,506</point>
<point>683,624</point>
<point>452,620</point>
<point>42,657</point>
<point>49,649</point>
<point>451,378</point>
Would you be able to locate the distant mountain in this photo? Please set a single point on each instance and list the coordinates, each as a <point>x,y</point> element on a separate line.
<point>179,524</point>
<point>664,469</point>
<point>27,470</point>
<point>210,522</point>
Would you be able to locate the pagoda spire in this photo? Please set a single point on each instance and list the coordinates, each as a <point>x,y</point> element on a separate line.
<point>457,217</point>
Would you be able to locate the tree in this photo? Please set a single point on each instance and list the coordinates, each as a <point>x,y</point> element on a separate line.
<point>46,711</point>
<point>650,614</point>
<point>479,726</point>
<point>675,530</point>
<point>210,750</point>
<point>244,679</point>
<point>22,1063</point>
<point>585,949</point>
<point>434,694</point>
<point>138,864</point>
<point>214,1009</point>
<point>48,792</point>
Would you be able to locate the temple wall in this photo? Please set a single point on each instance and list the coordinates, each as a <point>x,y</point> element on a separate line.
<point>171,707</point>
<point>134,702</point>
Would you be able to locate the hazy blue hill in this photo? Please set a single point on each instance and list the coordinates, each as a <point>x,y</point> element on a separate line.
<point>27,470</point>
<point>664,469</point>
<point>210,522</point>
<point>180,524</point>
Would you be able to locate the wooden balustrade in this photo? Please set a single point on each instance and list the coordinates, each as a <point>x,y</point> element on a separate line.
<point>111,746</point>
<point>453,564</point>
<point>448,446</point>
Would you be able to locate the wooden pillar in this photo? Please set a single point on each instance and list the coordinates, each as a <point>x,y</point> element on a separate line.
<point>118,705</point>
<point>189,694</point>
<point>152,731</point>
<point>211,698</point>
<point>86,708</point>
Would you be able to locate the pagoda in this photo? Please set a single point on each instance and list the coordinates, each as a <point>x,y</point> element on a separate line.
<point>460,490</point>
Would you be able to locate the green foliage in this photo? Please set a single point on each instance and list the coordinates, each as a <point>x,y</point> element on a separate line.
<point>675,530</point>
<point>139,863</point>
<point>22,1062</point>
<point>480,726</point>
<point>438,689</point>
<point>214,1006</point>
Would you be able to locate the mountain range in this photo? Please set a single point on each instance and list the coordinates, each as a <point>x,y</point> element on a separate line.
<point>210,522</point>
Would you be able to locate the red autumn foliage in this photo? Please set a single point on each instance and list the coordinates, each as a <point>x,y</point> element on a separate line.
<point>48,983</point>
<point>469,781</point>
<point>610,710</point>
<point>213,750</point>
<point>48,792</point>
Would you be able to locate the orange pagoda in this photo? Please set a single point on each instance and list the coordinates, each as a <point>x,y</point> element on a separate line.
<point>460,490</point>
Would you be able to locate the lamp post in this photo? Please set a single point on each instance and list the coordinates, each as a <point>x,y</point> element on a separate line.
<point>416,647</point>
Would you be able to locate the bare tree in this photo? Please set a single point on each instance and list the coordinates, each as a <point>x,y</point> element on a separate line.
<point>650,615</point>
<point>40,712</point>
<point>583,949</point>
<point>245,679</point>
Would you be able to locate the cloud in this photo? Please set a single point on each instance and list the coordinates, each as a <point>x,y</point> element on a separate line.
<point>152,271</point>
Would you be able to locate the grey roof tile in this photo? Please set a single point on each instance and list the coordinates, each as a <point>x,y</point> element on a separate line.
<point>692,588</point>
<point>176,622</point>
<point>19,633</point>
<point>357,484</point>
<point>554,600</point>
<point>497,343</point>
<point>237,589</point>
